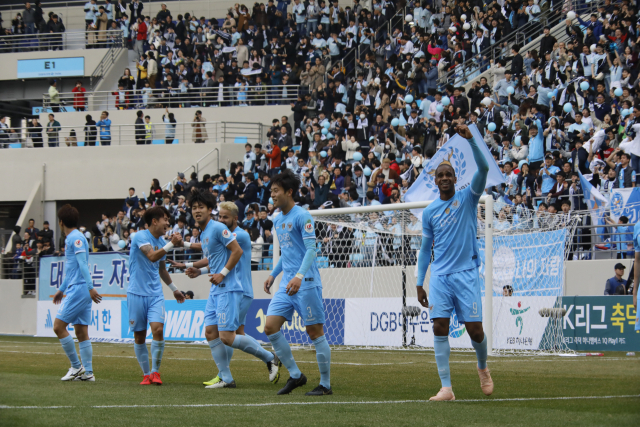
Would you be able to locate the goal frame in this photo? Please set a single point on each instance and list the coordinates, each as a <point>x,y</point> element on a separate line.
<point>487,322</point>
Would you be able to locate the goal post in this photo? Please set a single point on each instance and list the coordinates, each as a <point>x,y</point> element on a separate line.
<point>367,258</point>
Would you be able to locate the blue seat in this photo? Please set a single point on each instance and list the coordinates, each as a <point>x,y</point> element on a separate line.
<point>270,250</point>
<point>267,264</point>
<point>356,257</point>
<point>323,262</point>
<point>175,141</point>
<point>15,145</point>
<point>80,143</point>
<point>240,140</point>
<point>158,142</point>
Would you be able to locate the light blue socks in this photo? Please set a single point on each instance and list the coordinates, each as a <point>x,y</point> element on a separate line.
<point>142,354</point>
<point>86,353</point>
<point>442,350</point>
<point>481,352</point>
<point>251,346</point>
<point>69,347</point>
<point>157,348</point>
<point>282,349</point>
<point>221,357</point>
<point>323,356</point>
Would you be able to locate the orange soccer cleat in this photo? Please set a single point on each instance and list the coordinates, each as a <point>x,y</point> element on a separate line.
<point>155,378</point>
<point>146,380</point>
<point>445,393</point>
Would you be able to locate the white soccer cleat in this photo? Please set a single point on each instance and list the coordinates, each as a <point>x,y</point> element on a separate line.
<point>222,384</point>
<point>274,369</point>
<point>73,373</point>
<point>486,383</point>
<point>445,394</point>
<point>85,377</point>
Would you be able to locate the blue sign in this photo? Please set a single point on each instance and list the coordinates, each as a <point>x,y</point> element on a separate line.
<point>185,322</point>
<point>54,67</point>
<point>109,271</point>
<point>532,263</point>
<point>35,111</point>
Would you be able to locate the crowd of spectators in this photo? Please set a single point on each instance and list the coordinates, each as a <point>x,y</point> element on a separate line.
<point>33,21</point>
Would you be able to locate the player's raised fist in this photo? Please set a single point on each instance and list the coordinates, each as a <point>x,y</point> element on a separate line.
<point>464,131</point>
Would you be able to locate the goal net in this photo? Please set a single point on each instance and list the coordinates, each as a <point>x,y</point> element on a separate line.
<point>367,258</point>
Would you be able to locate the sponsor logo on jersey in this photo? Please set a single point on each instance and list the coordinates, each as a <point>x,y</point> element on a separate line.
<point>308,227</point>
<point>78,243</point>
<point>226,234</point>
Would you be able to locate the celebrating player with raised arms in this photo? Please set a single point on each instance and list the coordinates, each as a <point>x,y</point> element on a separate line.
<point>449,224</point>
<point>76,307</point>
<point>303,291</point>
<point>145,301</point>
<point>228,215</point>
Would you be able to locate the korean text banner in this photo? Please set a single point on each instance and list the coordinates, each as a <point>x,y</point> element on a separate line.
<point>602,323</point>
<point>109,271</point>
<point>532,264</point>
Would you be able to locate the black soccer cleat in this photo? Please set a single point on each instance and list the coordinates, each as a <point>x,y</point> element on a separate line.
<point>292,384</point>
<point>319,391</point>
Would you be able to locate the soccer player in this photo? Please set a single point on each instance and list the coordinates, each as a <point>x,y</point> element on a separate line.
<point>228,215</point>
<point>225,304</point>
<point>303,292</point>
<point>145,301</point>
<point>76,307</point>
<point>449,224</point>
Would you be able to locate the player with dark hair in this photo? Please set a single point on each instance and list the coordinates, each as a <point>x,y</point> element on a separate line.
<point>450,225</point>
<point>303,293</point>
<point>145,301</point>
<point>228,215</point>
<point>76,307</point>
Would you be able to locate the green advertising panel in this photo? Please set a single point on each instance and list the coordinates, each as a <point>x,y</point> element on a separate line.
<point>602,323</point>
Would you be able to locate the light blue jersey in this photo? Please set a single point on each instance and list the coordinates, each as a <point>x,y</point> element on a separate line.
<point>452,225</point>
<point>243,267</point>
<point>292,229</point>
<point>215,238</point>
<point>144,275</point>
<point>636,237</point>
<point>548,181</point>
<point>75,243</point>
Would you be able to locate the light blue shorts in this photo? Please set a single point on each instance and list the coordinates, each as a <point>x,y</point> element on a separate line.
<point>459,290</point>
<point>245,303</point>
<point>223,310</point>
<point>144,310</point>
<point>75,308</point>
<point>307,302</point>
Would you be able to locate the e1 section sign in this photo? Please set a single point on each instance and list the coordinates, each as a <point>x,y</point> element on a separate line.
<point>109,271</point>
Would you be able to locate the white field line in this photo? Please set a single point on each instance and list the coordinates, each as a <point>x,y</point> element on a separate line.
<point>377,402</point>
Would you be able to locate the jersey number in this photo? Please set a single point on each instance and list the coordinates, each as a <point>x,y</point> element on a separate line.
<point>475,308</point>
<point>309,310</point>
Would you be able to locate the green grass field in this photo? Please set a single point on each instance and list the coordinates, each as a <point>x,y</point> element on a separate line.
<point>370,388</point>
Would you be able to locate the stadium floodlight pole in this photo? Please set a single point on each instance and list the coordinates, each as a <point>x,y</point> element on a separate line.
<point>488,271</point>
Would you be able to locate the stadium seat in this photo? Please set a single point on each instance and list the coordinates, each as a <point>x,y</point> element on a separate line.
<point>158,142</point>
<point>80,143</point>
<point>240,140</point>
<point>323,262</point>
<point>175,141</point>
<point>267,264</point>
<point>356,257</point>
<point>15,145</point>
<point>270,250</point>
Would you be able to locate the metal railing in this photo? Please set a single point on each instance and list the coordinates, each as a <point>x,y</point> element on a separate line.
<point>105,64</point>
<point>176,98</point>
<point>70,40</point>
<point>131,134</point>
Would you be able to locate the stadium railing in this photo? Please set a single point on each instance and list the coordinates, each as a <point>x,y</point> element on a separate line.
<point>70,40</point>
<point>175,98</point>
<point>125,134</point>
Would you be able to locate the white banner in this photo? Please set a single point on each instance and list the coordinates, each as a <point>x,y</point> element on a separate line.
<point>105,319</point>
<point>517,323</point>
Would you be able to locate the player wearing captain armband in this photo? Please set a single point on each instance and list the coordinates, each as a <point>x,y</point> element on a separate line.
<point>76,306</point>
<point>303,290</point>
<point>145,300</point>
<point>449,224</point>
<point>228,215</point>
<point>227,306</point>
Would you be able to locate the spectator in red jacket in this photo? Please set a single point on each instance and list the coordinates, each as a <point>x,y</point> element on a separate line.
<point>79,99</point>
<point>274,158</point>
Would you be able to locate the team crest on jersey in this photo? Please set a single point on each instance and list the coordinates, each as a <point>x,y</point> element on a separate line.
<point>226,234</point>
<point>290,226</point>
<point>308,227</point>
<point>455,204</point>
<point>78,243</point>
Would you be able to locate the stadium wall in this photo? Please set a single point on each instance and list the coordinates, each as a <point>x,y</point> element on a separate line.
<point>17,314</point>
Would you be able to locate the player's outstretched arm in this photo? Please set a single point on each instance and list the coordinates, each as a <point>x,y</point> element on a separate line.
<point>166,278</point>
<point>194,246</point>
<point>479,181</point>
<point>424,259</point>
<point>234,257</point>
